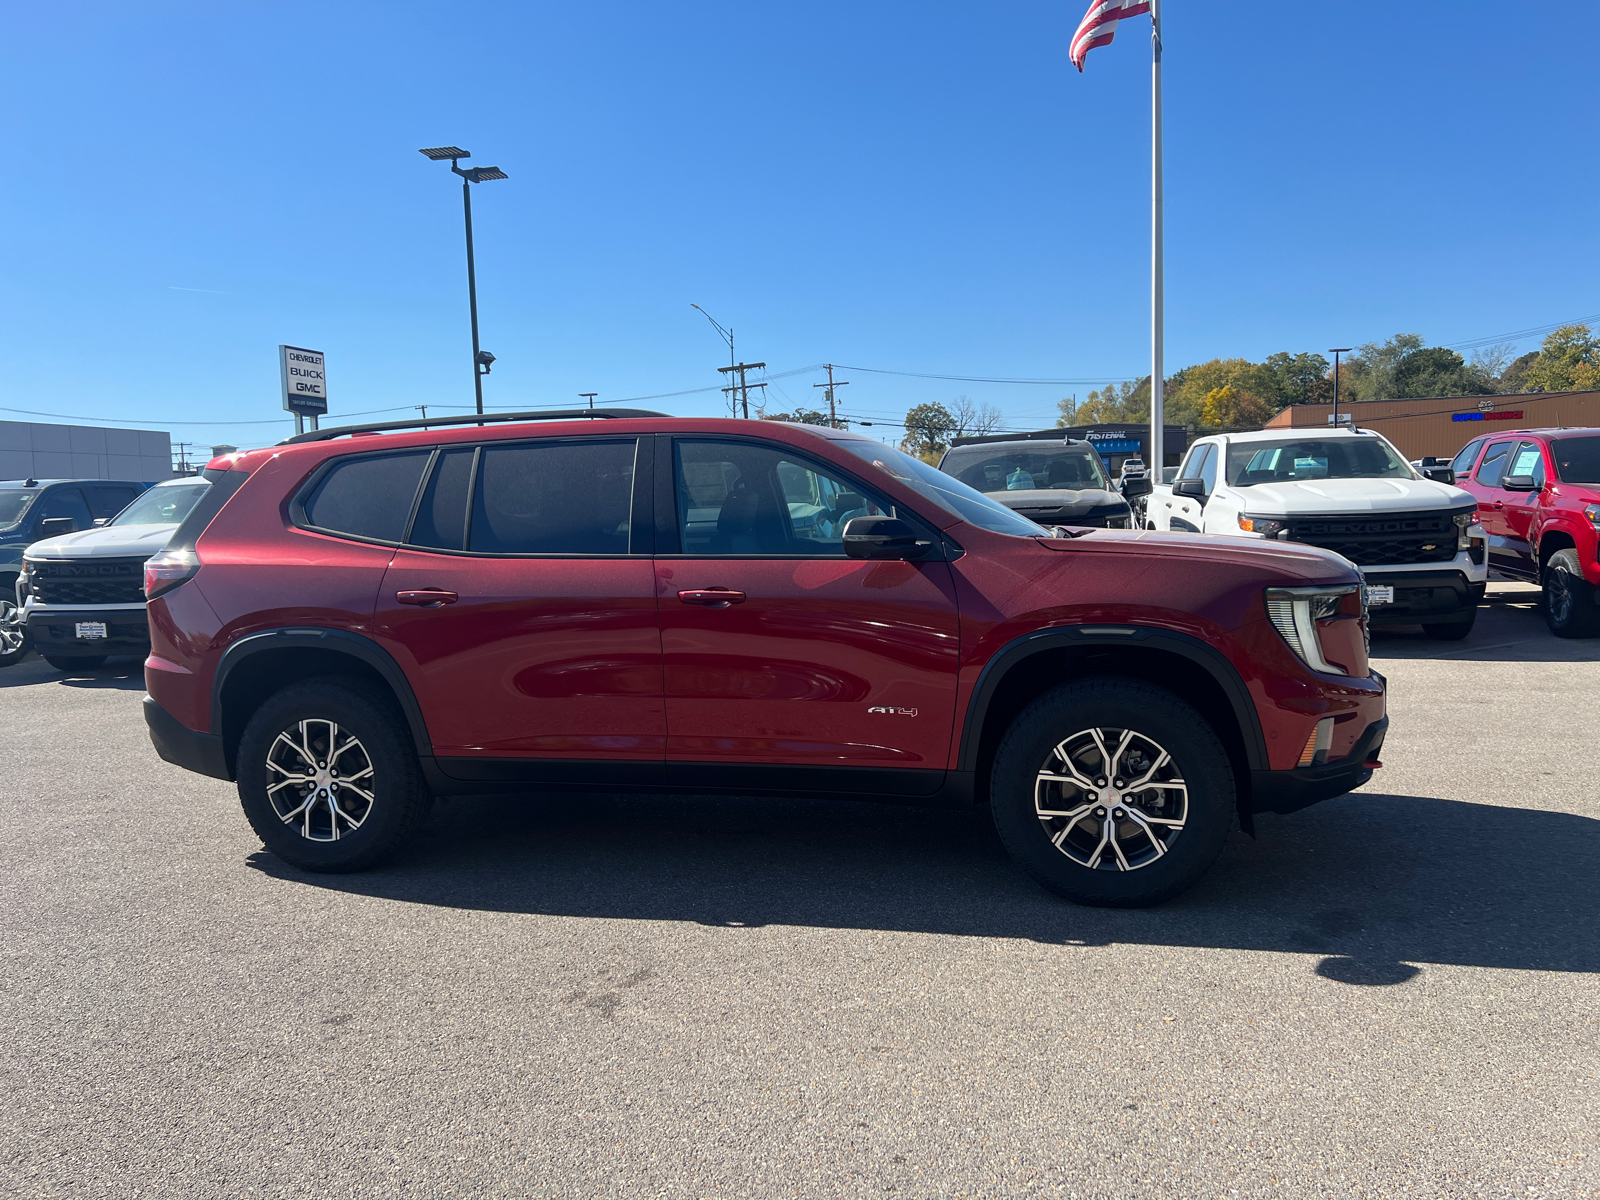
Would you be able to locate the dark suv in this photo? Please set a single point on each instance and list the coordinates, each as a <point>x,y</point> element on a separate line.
<point>1538,494</point>
<point>357,620</point>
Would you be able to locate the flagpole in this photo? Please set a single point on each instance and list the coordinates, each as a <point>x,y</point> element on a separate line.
<point>1158,414</point>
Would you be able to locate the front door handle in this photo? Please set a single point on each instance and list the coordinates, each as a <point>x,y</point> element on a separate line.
<point>1499,504</point>
<point>427,597</point>
<point>711,597</point>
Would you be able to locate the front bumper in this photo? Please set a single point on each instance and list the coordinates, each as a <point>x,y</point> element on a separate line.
<point>1290,791</point>
<point>1423,596</point>
<point>55,630</point>
<point>202,753</point>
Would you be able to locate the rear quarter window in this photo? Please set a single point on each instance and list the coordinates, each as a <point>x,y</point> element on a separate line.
<point>368,498</point>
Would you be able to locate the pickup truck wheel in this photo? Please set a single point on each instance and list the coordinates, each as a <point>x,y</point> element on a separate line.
<point>1569,607</point>
<point>1451,631</point>
<point>1112,792</point>
<point>13,634</point>
<point>75,662</point>
<point>328,776</point>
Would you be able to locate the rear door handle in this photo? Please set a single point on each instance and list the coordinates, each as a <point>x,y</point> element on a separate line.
<point>711,597</point>
<point>427,597</point>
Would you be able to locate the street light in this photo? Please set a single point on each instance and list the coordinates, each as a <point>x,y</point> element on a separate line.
<point>727,334</point>
<point>481,359</point>
<point>1336,351</point>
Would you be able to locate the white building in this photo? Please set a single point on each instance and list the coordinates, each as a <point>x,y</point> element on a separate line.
<point>34,451</point>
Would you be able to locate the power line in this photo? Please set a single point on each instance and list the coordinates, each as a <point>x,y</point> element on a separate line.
<point>987,379</point>
<point>1519,334</point>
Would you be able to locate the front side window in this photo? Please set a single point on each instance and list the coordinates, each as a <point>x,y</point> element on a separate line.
<point>949,493</point>
<point>1494,464</point>
<point>1020,468</point>
<point>1196,460</point>
<point>1462,463</point>
<point>1577,459</point>
<point>738,499</point>
<point>368,498</point>
<point>1528,460</point>
<point>553,498</point>
<point>1250,463</point>
<point>163,505</point>
<point>66,502</point>
<point>1208,469</point>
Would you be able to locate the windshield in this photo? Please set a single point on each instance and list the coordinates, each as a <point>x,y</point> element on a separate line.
<point>1314,458</point>
<point>1577,459</point>
<point>948,493</point>
<point>1015,468</point>
<point>162,505</point>
<point>13,503</point>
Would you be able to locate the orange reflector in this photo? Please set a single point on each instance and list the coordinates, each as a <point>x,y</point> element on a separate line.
<point>1310,752</point>
<point>1318,744</point>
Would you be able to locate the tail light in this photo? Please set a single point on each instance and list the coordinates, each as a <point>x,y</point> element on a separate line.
<point>1304,614</point>
<point>167,570</point>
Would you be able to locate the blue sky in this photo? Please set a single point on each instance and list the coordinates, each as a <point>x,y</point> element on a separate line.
<point>925,187</point>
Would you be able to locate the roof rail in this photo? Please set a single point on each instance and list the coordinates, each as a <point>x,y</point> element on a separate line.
<point>559,414</point>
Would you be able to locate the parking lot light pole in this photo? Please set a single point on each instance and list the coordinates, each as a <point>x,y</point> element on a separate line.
<point>1336,351</point>
<point>481,359</point>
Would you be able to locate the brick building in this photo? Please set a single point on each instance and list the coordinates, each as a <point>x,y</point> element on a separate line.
<point>1441,425</point>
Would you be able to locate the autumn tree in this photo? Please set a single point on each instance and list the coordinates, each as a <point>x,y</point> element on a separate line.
<point>1228,407</point>
<point>1569,360</point>
<point>929,428</point>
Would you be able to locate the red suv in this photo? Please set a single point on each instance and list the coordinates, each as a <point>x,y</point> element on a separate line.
<point>357,620</point>
<point>1538,494</point>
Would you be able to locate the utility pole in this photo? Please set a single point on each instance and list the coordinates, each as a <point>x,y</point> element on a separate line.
<point>424,409</point>
<point>589,396</point>
<point>833,413</point>
<point>740,396</point>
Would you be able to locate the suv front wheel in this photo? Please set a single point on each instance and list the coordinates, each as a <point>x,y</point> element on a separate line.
<point>328,776</point>
<point>1112,792</point>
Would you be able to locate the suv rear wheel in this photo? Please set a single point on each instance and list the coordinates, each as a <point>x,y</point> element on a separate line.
<point>1569,607</point>
<point>1112,792</point>
<point>328,777</point>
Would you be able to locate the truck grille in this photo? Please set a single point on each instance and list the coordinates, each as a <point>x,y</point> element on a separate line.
<point>1381,541</point>
<point>89,581</point>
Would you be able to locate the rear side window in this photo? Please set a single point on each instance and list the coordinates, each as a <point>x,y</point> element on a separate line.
<point>1462,463</point>
<point>1494,464</point>
<point>109,501</point>
<point>1577,459</point>
<point>368,497</point>
<point>442,516</point>
<point>553,498</point>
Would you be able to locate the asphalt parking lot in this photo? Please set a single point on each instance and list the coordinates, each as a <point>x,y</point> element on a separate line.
<point>1392,994</point>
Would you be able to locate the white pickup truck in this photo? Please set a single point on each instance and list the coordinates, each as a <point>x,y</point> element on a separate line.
<point>1415,537</point>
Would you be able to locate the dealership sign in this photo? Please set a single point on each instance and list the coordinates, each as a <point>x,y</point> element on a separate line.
<point>1514,414</point>
<point>305,386</point>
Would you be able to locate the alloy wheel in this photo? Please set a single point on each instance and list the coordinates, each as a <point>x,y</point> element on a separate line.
<point>1111,799</point>
<point>1558,596</point>
<point>320,780</point>
<point>12,633</point>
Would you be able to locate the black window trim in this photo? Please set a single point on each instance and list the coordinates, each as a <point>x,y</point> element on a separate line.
<point>297,502</point>
<point>669,545</point>
<point>640,520</point>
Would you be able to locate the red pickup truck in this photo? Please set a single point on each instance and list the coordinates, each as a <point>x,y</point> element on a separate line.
<point>357,620</point>
<point>1538,494</point>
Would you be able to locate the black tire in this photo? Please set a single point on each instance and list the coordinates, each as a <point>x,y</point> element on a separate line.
<point>1451,631</point>
<point>1569,607</point>
<point>381,817</point>
<point>75,662</point>
<point>14,644</point>
<point>1155,716</point>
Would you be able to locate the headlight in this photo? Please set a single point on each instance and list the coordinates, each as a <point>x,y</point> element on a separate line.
<point>1294,612</point>
<point>24,583</point>
<point>1592,511</point>
<point>1262,525</point>
<point>1464,521</point>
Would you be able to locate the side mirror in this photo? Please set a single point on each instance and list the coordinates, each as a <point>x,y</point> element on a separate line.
<point>883,539</point>
<point>1193,488</point>
<point>1438,473</point>
<point>55,526</point>
<point>1135,486</point>
<point>1519,483</point>
<point>101,522</point>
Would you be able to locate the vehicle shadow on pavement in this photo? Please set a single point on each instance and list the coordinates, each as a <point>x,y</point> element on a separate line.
<point>122,674</point>
<point>1374,884</point>
<point>1510,628</point>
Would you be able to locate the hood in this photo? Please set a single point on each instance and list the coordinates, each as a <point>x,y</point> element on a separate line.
<point>1288,562</point>
<point>1057,503</point>
<point>1327,496</point>
<point>113,541</point>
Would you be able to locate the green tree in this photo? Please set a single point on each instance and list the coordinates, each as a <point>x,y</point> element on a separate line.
<point>1116,403</point>
<point>800,416</point>
<point>1569,360</point>
<point>1515,377</point>
<point>929,428</point>
<point>1295,377</point>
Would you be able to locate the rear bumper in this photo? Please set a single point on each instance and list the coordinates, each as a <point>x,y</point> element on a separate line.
<point>1290,791</point>
<point>199,752</point>
<point>1423,596</point>
<point>55,631</point>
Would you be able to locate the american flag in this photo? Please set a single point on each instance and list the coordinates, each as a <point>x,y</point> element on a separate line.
<point>1099,25</point>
